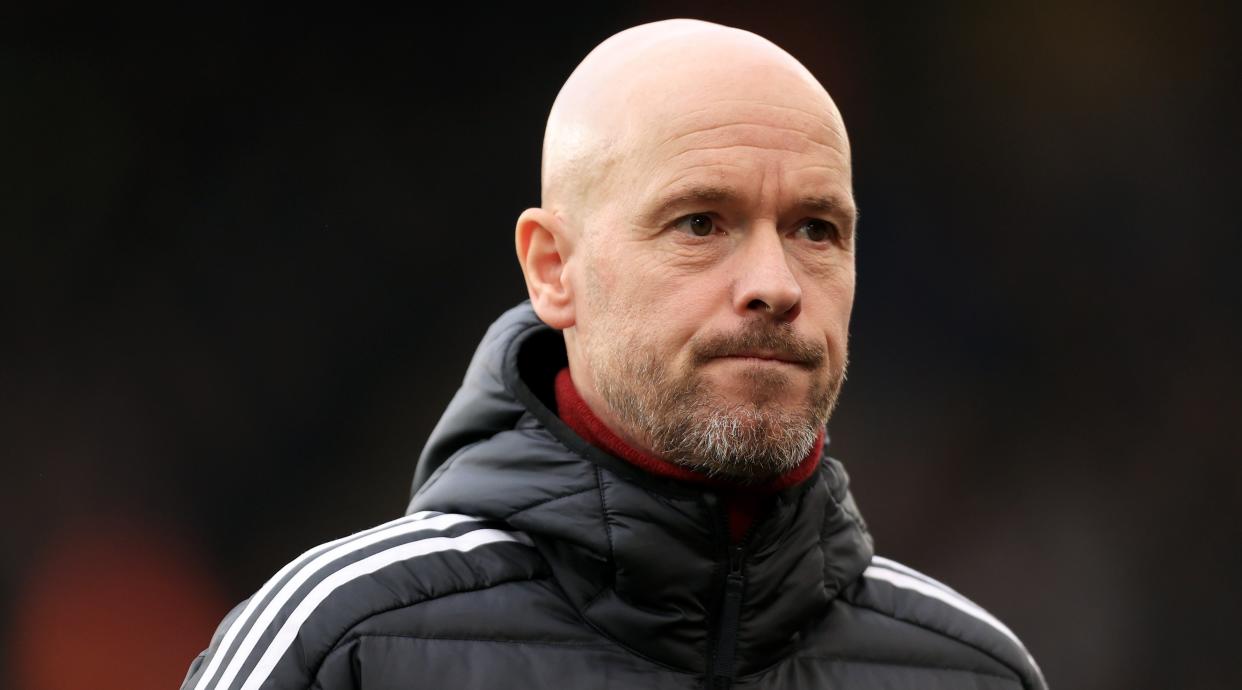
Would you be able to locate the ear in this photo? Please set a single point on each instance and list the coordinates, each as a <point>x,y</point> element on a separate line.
<point>543,247</point>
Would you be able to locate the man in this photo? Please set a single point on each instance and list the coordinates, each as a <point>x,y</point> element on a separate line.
<point>641,500</point>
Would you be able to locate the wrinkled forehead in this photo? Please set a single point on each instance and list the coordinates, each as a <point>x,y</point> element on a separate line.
<point>726,113</point>
<point>667,98</point>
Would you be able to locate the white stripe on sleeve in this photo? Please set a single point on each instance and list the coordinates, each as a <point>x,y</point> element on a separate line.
<point>943,594</point>
<point>309,567</point>
<point>288,631</point>
<point>903,568</point>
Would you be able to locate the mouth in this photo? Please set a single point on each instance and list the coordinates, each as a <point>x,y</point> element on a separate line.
<point>765,357</point>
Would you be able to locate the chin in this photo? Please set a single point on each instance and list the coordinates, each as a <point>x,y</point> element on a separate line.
<point>789,399</point>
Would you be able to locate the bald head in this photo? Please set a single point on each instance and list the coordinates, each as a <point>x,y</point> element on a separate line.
<point>629,94</point>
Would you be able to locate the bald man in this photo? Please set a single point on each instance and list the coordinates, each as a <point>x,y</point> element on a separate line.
<point>630,488</point>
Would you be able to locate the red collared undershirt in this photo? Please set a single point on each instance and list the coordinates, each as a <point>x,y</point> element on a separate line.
<point>745,503</point>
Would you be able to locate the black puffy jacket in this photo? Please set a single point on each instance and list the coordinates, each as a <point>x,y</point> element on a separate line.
<point>530,559</point>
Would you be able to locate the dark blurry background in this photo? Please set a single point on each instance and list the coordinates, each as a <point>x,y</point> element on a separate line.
<point>245,257</point>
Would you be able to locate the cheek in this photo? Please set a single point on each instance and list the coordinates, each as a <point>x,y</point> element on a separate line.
<point>615,289</point>
<point>658,307</point>
<point>828,295</point>
<point>649,280</point>
<point>842,292</point>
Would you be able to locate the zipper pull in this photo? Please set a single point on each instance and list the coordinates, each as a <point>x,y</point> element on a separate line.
<point>736,557</point>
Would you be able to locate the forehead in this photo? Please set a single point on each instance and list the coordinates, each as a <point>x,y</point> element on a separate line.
<point>731,131</point>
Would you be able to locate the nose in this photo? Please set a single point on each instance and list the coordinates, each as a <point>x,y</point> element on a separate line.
<point>765,284</point>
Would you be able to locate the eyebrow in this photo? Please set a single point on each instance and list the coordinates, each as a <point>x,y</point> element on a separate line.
<point>696,195</point>
<point>699,195</point>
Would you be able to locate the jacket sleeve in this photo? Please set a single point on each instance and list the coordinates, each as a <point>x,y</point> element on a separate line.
<point>194,675</point>
<point>299,631</point>
<point>235,658</point>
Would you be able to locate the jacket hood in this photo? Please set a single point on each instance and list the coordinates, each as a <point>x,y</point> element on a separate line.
<point>642,558</point>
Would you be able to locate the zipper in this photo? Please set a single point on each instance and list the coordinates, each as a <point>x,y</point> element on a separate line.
<point>724,660</point>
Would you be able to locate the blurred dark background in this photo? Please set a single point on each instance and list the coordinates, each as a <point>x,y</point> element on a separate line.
<point>246,255</point>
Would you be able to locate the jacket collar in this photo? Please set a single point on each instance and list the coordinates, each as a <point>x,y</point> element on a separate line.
<point>642,558</point>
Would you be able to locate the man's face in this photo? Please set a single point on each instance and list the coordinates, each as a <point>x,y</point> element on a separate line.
<point>717,277</point>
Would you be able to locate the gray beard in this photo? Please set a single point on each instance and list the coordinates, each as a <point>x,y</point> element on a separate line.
<point>683,422</point>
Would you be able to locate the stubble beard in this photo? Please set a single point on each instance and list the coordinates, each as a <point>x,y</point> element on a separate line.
<point>683,421</point>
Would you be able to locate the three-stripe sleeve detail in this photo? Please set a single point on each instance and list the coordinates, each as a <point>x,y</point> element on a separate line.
<point>272,618</point>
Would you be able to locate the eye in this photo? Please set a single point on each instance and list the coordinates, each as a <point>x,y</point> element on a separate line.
<point>817,230</point>
<point>697,224</point>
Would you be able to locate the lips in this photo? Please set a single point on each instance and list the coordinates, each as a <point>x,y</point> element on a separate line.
<point>767,357</point>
